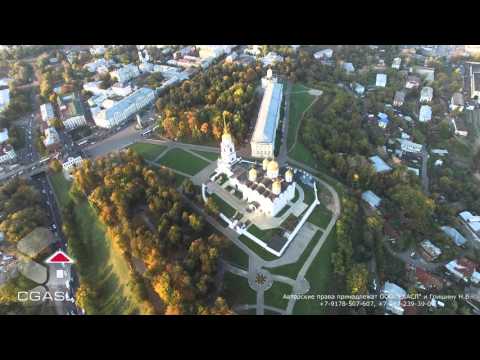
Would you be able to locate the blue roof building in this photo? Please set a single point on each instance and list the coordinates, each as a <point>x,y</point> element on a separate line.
<point>379,165</point>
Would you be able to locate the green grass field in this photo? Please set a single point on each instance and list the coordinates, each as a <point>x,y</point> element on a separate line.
<point>183,161</point>
<point>257,249</point>
<point>148,151</point>
<point>237,290</point>
<point>226,209</point>
<point>319,276</point>
<point>207,154</point>
<point>299,101</point>
<point>301,153</point>
<point>320,216</point>
<point>102,264</point>
<point>274,295</point>
<point>236,256</point>
<point>265,235</point>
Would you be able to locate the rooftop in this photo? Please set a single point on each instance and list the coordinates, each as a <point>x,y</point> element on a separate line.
<point>267,116</point>
<point>379,165</point>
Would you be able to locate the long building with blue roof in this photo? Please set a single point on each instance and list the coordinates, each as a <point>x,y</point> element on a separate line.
<point>263,139</point>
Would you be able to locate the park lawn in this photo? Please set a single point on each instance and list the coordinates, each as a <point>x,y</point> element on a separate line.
<point>236,256</point>
<point>274,295</point>
<point>148,151</point>
<point>102,264</point>
<point>308,192</point>
<point>224,208</point>
<point>302,154</point>
<point>265,235</point>
<point>320,216</point>
<point>257,249</point>
<point>319,276</point>
<point>207,154</point>
<point>183,161</point>
<point>237,291</point>
<point>298,103</point>
<point>292,270</point>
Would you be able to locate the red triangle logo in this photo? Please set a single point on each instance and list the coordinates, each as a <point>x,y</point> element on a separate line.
<point>59,257</point>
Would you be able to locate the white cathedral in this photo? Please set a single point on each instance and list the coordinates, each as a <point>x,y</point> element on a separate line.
<point>266,188</point>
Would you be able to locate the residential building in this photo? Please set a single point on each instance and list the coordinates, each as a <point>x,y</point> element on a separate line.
<point>396,63</point>
<point>426,73</point>
<point>263,139</point>
<point>383,120</point>
<point>3,136</point>
<point>381,80</point>
<point>323,54</point>
<point>348,67</point>
<point>4,98</point>
<point>426,95</point>
<point>124,108</point>
<point>453,234</point>
<point>379,165</point>
<point>214,51</point>
<point>271,59</point>
<point>7,153</point>
<point>472,221</point>
<point>125,73</point>
<point>464,269</point>
<point>118,89</point>
<point>52,139</point>
<point>457,103</point>
<point>399,98</point>
<point>425,113</point>
<point>412,82</point>
<point>94,88</point>
<point>230,58</point>
<point>473,71</point>
<point>97,50</point>
<point>394,295</point>
<point>70,165</point>
<point>438,162</point>
<point>430,251</point>
<point>459,126</point>
<point>359,89</point>
<point>99,65</point>
<point>427,281</point>
<point>371,199</point>
<point>410,146</point>
<point>71,111</point>
<point>47,112</point>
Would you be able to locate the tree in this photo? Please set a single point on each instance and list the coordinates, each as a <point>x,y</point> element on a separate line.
<point>55,166</point>
<point>357,280</point>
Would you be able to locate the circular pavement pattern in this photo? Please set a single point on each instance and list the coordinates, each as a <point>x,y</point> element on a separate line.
<point>260,280</point>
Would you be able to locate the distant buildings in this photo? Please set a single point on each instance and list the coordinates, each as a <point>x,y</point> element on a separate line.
<point>47,112</point>
<point>7,153</point>
<point>99,66</point>
<point>399,98</point>
<point>263,139</point>
<point>4,98</point>
<point>453,234</point>
<point>381,80</point>
<point>471,221</point>
<point>214,51</point>
<point>271,59</point>
<point>425,113</point>
<point>71,112</point>
<point>410,146</point>
<point>359,89</point>
<point>464,269</point>
<point>348,67</point>
<point>125,73</point>
<point>473,70</point>
<point>125,108</point>
<point>379,165</point>
<point>430,251</point>
<point>371,199</point>
<point>396,63</point>
<point>52,139</point>
<point>425,72</point>
<point>394,295</point>
<point>323,54</point>
<point>457,103</point>
<point>426,95</point>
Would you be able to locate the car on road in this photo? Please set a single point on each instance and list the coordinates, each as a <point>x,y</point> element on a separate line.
<point>412,255</point>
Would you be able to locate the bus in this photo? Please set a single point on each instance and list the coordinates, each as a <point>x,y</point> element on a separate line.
<point>44,160</point>
<point>83,142</point>
<point>147,132</point>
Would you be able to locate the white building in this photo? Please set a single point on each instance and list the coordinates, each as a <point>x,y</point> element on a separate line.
<point>426,95</point>
<point>425,113</point>
<point>396,63</point>
<point>453,234</point>
<point>70,165</point>
<point>207,51</point>
<point>51,137</point>
<point>425,72</point>
<point>271,59</point>
<point>4,99</point>
<point>381,80</point>
<point>432,250</point>
<point>359,89</point>
<point>7,153</point>
<point>3,136</point>
<point>120,90</point>
<point>472,221</point>
<point>464,269</point>
<point>74,122</point>
<point>263,139</point>
<point>100,66</point>
<point>394,295</point>
<point>230,58</point>
<point>97,50</point>
<point>125,73</point>
<point>125,108</point>
<point>47,113</point>
<point>457,103</point>
<point>323,54</point>
<point>348,67</point>
<point>410,146</point>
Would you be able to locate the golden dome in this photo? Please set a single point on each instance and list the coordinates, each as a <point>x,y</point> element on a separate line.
<point>252,174</point>
<point>265,163</point>
<point>272,166</point>
<point>276,187</point>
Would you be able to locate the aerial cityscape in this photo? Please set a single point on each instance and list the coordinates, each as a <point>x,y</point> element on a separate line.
<point>239,180</point>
